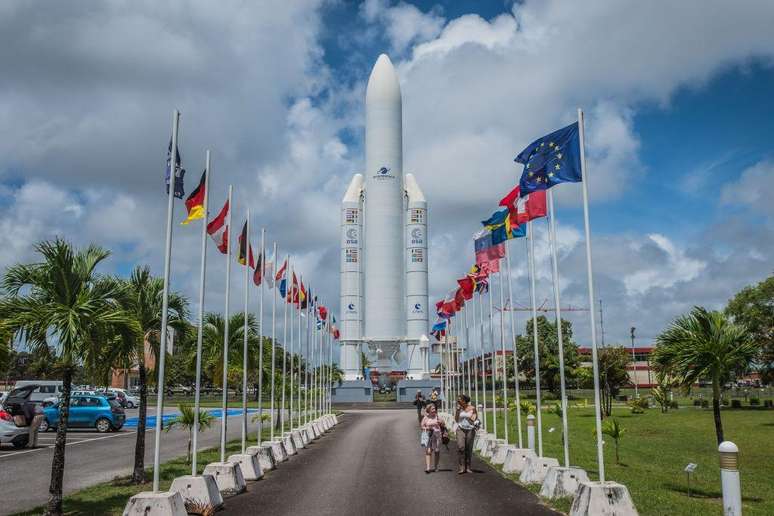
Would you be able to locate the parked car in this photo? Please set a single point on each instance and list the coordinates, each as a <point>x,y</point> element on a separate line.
<point>46,390</point>
<point>126,398</point>
<point>14,427</point>
<point>104,414</point>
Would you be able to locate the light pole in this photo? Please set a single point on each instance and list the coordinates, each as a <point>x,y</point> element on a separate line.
<point>634,365</point>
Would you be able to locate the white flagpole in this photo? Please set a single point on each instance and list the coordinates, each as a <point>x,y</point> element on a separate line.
<point>559,336</point>
<point>165,298</point>
<point>481,349</point>
<point>474,355</point>
<point>502,348</point>
<point>494,364</point>
<point>292,335</point>
<point>538,410</point>
<point>200,329</point>
<point>289,292</point>
<point>515,349</point>
<point>244,332</point>
<point>468,348</point>
<point>273,344</point>
<point>306,363</point>
<point>597,413</point>
<point>260,336</point>
<point>224,407</point>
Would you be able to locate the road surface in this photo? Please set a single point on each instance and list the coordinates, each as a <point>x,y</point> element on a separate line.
<point>371,463</point>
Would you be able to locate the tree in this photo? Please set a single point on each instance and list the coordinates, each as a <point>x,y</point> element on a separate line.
<point>612,375</point>
<point>365,363</point>
<point>6,349</point>
<point>662,391</point>
<point>613,429</point>
<point>212,347</point>
<point>548,346</point>
<point>143,300</point>
<point>753,307</point>
<point>186,420</point>
<point>63,299</point>
<point>704,345</point>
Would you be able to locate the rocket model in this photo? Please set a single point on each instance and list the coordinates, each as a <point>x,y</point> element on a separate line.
<point>383,243</point>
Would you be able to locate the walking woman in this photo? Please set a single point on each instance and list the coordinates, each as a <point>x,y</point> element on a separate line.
<point>467,422</point>
<point>431,438</point>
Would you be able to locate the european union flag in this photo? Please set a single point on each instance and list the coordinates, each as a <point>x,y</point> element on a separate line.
<point>550,160</point>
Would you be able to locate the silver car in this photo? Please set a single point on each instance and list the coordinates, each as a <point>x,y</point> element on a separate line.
<point>11,413</point>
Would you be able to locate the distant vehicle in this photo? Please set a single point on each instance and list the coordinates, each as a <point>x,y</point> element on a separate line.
<point>127,399</point>
<point>106,415</point>
<point>14,427</point>
<point>45,389</point>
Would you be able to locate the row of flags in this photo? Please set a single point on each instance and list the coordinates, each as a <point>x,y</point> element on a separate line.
<point>548,161</point>
<point>218,230</point>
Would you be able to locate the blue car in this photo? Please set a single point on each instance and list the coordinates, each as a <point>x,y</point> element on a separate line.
<point>104,414</point>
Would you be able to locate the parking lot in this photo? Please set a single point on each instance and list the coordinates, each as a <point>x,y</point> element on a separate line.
<point>74,436</point>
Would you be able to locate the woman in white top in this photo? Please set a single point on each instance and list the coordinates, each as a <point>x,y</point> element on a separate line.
<point>467,422</point>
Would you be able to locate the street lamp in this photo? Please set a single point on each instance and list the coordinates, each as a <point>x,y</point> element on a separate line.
<point>634,365</point>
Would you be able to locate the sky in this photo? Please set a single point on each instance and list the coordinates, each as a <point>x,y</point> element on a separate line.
<point>677,97</point>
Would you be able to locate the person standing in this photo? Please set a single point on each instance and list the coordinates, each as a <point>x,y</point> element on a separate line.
<point>34,415</point>
<point>467,422</point>
<point>419,402</point>
<point>431,426</point>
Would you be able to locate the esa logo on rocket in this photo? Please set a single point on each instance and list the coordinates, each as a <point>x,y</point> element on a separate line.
<point>383,174</point>
<point>417,308</point>
<point>352,236</point>
<point>416,236</point>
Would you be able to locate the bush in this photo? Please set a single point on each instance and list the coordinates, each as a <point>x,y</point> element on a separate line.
<point>768,403</point>
<point>736,403</point>
<point>639,406</point>
<point>725,402</point>
<point>673,404</point>
<point>755,401</point>
<point>697,403</point>
<point>704,403</point>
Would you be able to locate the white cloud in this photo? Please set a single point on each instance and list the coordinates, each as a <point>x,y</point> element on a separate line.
<point>754,188</point>
<point>404,23</point>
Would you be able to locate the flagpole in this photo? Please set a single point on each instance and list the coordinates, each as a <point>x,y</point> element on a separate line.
<point>224,408</point>
<point>260,336</point>
<point>474,354</point>
<point>502,348</point>
<point>200,329</point>
<point>531,259</point>
<point>515,349</point>
<point>165,297</point>
<point>481,349</point>
<point>589,268</point>
<point>308,336</point>
<point>494,365</point>
<point>468,348</point>
<point>244,332</point>
<point>288,292</point>
<point>292,335</point>
<point>273,346</point>
<point>559,336</point>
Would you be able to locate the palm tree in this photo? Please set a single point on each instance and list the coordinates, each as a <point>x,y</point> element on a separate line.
<point>143,300</point>
<point>212,346</point>
<point>186,420</point>
<point>704,344</point>
<point>612,429</point>
<point>63,299</point>
<point>365,363</point>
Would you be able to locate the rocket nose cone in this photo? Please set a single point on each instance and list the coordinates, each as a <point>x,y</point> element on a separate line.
<point>383,83</point>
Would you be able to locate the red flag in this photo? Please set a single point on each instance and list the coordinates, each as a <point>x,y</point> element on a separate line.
<point>323,312</point>
<point>530,207</point>
<point>459,300</point>
<point>509,201</point>
<point>281,271</point>
<point>218,229</point>
<point>259,272</point>
<point>468,286</point>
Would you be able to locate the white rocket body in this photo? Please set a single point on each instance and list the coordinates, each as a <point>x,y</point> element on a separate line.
<point>383,269</point>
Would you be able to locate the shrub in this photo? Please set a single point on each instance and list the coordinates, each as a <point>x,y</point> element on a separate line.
<point>704,403</point>
<point>639,406</point>
<point>755,401</point>
<point>768,403</point>
<point>697,403</point>
<point>673,404</point>
<point>725,402</point>
<point>736,403</point>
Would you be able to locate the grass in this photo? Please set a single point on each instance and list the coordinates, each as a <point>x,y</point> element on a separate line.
<point>655,449</point>
<point>109,498</point>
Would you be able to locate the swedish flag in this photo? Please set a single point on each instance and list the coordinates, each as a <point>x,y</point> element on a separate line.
<point>550,160</point>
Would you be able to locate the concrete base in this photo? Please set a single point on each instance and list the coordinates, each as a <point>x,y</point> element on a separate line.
<point>516,459</point>
<point>335,419</point>
<point>298,442</point>
<point>228,476</point>
<point>480,440</point>
<point>561,482</point>
<point>602,499</point>
<point>501,452</point>
<point>287,442</point>
<point>248,464</point>
<point>265,458</point>
<point>354,391</point>
<point>327,422</point>
<point>277,451</point>
<point>491,444</point>
<point>316,429</point>
<point>164,503</point>
<point>201,491</point>
<point>306,435</point>
<point>536,469</point>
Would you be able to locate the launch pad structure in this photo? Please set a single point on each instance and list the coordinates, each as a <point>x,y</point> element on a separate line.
<point>384,282</point>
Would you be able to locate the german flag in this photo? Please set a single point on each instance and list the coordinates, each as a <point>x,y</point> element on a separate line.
<point>195,202</point>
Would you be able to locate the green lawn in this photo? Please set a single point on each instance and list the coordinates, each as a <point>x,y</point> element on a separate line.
<point>655,449</point>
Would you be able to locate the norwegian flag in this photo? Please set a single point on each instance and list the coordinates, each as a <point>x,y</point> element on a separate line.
<point>218,229</point>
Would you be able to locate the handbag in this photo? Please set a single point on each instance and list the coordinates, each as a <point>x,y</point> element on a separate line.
<point>424,439</point>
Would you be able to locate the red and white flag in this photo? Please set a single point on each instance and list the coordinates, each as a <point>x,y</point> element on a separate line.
<point>218,229</point>
<point>530,207</point>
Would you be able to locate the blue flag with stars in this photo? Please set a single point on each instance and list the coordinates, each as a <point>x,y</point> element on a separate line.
<point>550,160</point>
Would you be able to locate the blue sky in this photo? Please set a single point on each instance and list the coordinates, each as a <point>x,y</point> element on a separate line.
<point>678,110</point>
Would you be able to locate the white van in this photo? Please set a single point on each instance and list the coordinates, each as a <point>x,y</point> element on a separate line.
<point>46,389</point>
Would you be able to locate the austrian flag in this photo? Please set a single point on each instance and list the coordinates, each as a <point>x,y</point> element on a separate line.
<point>218,229</point>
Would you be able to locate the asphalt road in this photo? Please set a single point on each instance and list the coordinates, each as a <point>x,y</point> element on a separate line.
<point>90,458</point>
<point>371,463</point>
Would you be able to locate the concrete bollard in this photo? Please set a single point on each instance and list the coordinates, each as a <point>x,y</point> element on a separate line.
<point>562,482</point>
<point>595,498</point>
<point>287,442</point>
<point>729,479</point>
<point>265,458</point>
<point>501,452</point>
<point>298,441</point>
<point>516,460</point>
<point>531,432</point>
<point>305,435</point>
<point>248,464</point>
<point>148,502</point>
<point>228,477</point>
<point>536,469</point>
<point>201,489</point>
